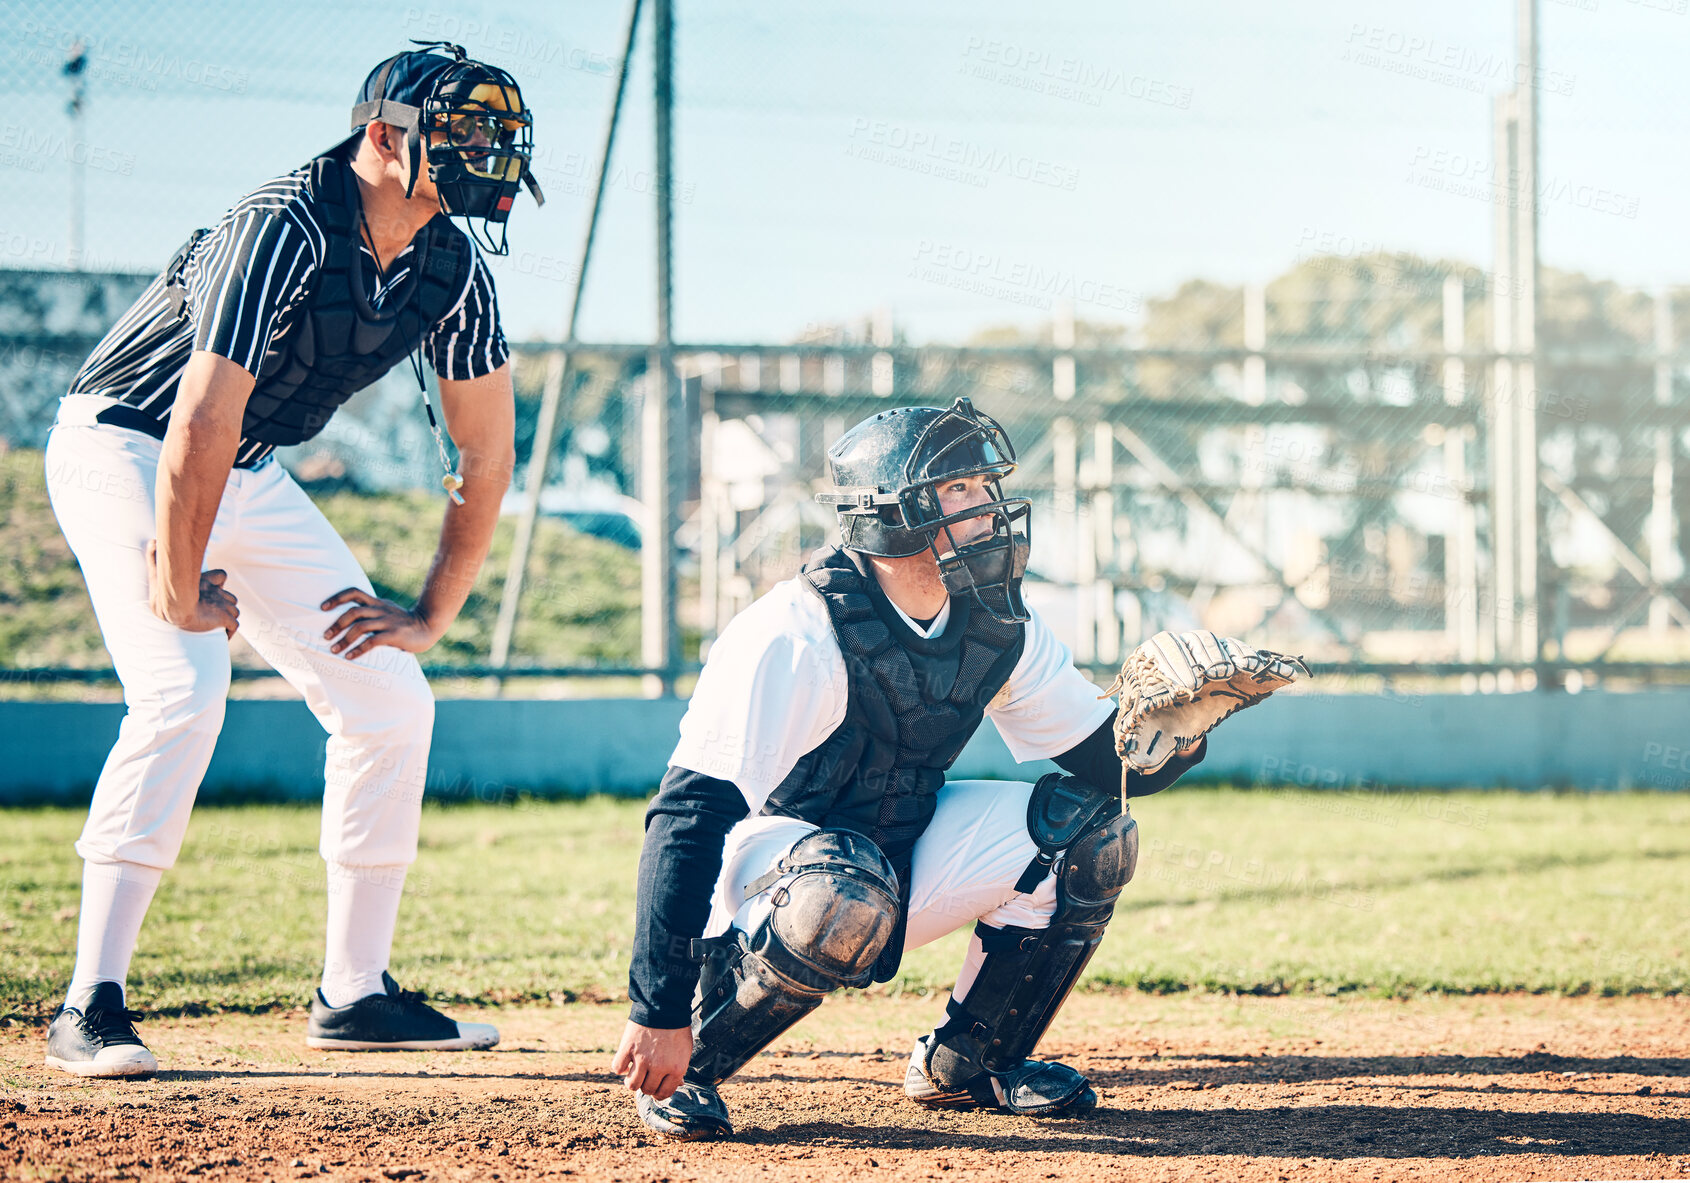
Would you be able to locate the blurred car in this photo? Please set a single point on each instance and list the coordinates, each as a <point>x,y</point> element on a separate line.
<point>591,509</point>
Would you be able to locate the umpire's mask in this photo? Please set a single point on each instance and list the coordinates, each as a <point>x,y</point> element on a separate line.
<point>886,473</point>
<point>470,119</point>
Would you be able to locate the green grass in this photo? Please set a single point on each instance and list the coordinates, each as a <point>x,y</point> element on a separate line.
<point>1244,891</point>
<point>580,602</point>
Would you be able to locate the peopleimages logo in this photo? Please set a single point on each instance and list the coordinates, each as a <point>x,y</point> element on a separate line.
<point>126,62</point>
<point>1461,174</point>
<point>922,150</point>
<point>33,145</point>
<point>1428,59</point>
<point>1016,280</point>
<point>577,174</point>
<point>1062,76</point>
<point>494,42</point>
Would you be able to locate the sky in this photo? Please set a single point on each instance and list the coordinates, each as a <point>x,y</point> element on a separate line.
<point>962,165</point>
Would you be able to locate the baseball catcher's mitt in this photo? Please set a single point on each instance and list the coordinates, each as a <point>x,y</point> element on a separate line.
<point>1176,686</point>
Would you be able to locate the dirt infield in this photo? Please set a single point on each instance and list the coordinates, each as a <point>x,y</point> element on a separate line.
<point>1201,1087</point>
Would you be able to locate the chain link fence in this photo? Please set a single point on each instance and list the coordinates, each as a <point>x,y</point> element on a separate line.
<point>1315,462</point>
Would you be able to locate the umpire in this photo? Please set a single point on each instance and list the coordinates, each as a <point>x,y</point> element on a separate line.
<point>162,474</point>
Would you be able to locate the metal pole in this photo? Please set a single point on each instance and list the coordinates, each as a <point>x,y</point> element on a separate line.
<point>1248,508</point>
<point>1065,473</point>
<point>1502,603</point>
<point>710,498</point>
<point>1528,645</point>
<point>557,375</point>
<point>538,458</point>
<point>1664,563</point>
<point>1460,583</point>
<point>75,69</point>
<point>1103,527</point>
<point>657,548</point>
<point>882,370</point>
<point>1255,340</point>
<point>1085,559</point>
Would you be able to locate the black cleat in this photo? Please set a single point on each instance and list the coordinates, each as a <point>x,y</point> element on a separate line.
<point>397,1021</point>
<point>99,1039</point>
<point>695,1111</point>
<point>1038,1088</point>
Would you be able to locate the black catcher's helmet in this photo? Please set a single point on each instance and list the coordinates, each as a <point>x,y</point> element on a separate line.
<point>486,131</point>
<point>887,471</point>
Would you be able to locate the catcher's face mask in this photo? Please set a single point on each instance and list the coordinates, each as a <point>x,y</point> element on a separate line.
<point>470,120</point>
<point>890,469</point>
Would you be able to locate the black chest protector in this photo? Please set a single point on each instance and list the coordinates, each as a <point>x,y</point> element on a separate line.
<point>339,342</point>
<point>913,704</point>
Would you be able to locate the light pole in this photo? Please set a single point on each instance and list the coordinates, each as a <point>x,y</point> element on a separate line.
<point>76,70</point>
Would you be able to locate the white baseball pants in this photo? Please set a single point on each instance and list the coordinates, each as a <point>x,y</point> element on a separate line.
<point>283,560</point>
<point>965,867</point>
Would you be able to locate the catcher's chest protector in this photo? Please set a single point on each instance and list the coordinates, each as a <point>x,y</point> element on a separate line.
<point>338,343</point>
<point>912,705</point>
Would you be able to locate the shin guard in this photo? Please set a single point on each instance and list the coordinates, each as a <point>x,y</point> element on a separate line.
<point>1087,839</point>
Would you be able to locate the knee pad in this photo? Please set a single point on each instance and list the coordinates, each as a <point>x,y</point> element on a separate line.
<point>1099,863</point>
<point>1089,840</point>
<point>834,908</point>
<point>1088,829</point>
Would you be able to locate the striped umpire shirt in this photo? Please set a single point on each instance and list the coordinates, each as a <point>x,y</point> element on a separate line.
<point>244,284</point>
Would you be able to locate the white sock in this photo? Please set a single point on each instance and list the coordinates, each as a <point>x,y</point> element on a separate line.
<point>363,910</point>
<point>114,902</point>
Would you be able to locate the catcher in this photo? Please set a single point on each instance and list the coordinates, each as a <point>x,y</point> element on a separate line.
<point>805,834</point>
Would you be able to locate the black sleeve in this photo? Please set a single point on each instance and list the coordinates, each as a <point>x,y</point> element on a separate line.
<point>686,825</point>
<point>1093,759</point>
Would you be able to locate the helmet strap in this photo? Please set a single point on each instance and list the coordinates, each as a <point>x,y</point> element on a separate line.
<point>413,145</point>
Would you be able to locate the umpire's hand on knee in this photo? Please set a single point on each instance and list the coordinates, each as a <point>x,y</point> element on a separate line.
<point>216,607</point>
<point>369,621</point>
<point>652,1060</point>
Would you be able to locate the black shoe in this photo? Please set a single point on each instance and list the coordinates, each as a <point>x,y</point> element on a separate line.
<point>1038,1088</point>
<point>99,1039</point>
<point>695,1111</point>
<point>397,1021</point>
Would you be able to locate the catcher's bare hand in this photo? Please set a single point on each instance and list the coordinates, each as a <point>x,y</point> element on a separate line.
<point>216,607</point>
<point>372,621</point>
<point>653,1060</point>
